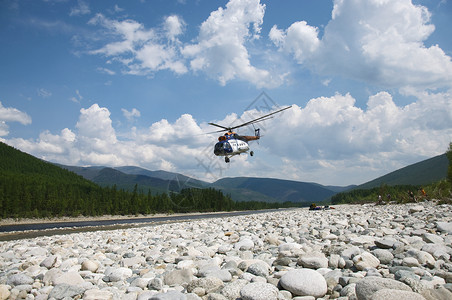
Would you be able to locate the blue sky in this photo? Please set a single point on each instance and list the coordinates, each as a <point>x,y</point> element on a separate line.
<point>135,83</point>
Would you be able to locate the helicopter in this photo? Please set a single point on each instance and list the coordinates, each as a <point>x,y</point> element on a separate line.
<point>231,143</point>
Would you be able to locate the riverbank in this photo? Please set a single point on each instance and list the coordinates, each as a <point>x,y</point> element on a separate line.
<point>21,221</point>
<point>351,252</point>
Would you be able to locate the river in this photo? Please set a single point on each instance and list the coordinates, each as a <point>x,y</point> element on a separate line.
<point>22,231</point>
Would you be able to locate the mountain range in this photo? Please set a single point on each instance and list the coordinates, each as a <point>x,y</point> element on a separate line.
<point>256,189</point>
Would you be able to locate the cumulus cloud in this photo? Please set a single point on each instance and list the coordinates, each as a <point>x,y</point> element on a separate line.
<point>142,51</point>
<point>381,42</point>
<point>331,136</point>
<point>330,140</point>
<point>221,50</point>
<point>174,26</point>
<point>94,141</point>
<point>11,114</point>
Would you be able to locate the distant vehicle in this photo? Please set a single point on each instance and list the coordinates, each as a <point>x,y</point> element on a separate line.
<point>231,143</point>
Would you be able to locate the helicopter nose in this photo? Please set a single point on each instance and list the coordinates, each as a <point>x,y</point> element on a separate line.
<point>218,150</point>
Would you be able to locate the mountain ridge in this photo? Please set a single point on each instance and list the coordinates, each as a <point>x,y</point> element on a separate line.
<point>261,189</point>
<point>421,173</point>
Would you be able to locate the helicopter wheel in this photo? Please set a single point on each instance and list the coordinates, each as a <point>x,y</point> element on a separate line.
<point>226,159</point>
<point>251,153</point>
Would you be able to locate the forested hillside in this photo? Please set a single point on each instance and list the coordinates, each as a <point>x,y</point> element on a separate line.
<point>30,187</point>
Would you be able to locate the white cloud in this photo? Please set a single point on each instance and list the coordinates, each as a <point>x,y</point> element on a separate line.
<point>95,142</point>
<point>381,42</point>
<point>142,51</point>
<point>363,144</point>
<point>11,114</point>
<point>221,50</point>
<point>118,9</point>
<point>330,140</point>
<point>43,93</point>
<point>106,71</point>
<point>95,124</point>
<point>77,98</point>
<point>174,26</point>
<point>131,115</point>
<point>82,8</point>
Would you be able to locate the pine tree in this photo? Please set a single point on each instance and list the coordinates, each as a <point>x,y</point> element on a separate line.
<point>449,156</point>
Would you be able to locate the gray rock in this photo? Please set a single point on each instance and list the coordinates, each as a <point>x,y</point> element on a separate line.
<point>384,256</point>
<point>178,277</point>
<point>367,286</point>
<point>349,291</point>
<point>89,265</point>
<point>155,284</point>
<point>440,293</point>
<point>232,290</point>
<point>96,294</point>
<point>282,261</point>
<point>215,296</point>
<point>4,292</point>
<point>71,277</point>
<point>209,284</point>
<point>19,279</point>
<point>385,243</point>
<point>119,274</point>
<point>304,282</point>
<point>401,275</point>
<point>259,291</point>
<point>140,282</point>
<point>146,295</point>
<point>244,244</point>
<point>171,295</point>
<point>135,261</point>
<point>432,238</point>
<point>350,252</point>
<point>424,258</point>
<point>49,262</point>
<point>215,271</point>
<point>336,261</point>
<point>313,260</point>
<point>259,268</point>
<point>64,290</point>
<point>192,296</point>
<point>416,209</point>
<point>365,260</point>
<point>385,294</point>
<point>444,227</point>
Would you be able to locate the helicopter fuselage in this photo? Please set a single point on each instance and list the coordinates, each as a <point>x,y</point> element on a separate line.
<point>231,144</point>
<point>231,147</point>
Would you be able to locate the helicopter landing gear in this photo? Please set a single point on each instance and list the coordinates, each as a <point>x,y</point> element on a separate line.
<point>251,153</point>
<point>226,159</point>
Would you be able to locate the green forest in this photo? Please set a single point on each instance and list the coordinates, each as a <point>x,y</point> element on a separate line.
<point>32,188</point>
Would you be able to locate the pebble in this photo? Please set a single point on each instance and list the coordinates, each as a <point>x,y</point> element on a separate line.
<point>304,282</point>
<point>350,252</point>
<point>259,291</point>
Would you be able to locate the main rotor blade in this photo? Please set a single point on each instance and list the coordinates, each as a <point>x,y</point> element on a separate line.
<point>225,128</point>
<point>260,119</point>
<point>222,130</point>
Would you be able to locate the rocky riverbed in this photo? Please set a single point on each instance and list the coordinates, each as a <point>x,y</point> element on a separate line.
<point>350,252</point>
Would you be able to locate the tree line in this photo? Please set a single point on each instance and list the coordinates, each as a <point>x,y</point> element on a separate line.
<point>32,188</point>
<point>21,197</point>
